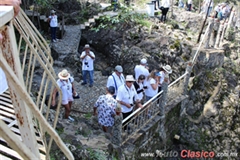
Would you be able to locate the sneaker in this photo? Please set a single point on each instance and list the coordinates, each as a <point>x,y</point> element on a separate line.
<point>71,119</point>
<point>83,83</point>
<point>54,41</point>
<point>76,96</point>
<point>90,85</point>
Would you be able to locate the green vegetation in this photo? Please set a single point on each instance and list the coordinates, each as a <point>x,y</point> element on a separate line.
<point>125,17</point>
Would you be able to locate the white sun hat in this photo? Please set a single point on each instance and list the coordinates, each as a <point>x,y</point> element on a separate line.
<point>129,78</point>
<point>168,69</point>
<point>64,75</point>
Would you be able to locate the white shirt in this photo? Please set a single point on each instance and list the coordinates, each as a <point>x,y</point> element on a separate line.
<point>119,81</point>
<point>126,95</point>
<point>217,8</point>
<point>150,92</point>
<point>66,88</point>
<point>140,69</point>
<point>162,75</point>
<point>189,1</point>
<point>3,82</point>
<point>53,21</point>
<point>166,3</point>
<point>140,95</point>
<point>87,62</point>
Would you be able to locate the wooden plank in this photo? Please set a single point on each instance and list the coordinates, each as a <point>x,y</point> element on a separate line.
<point>2,157</point>
<point>7,114</point>
<point>6,14</point>
<point>6,108</point>
<point>12,123</point>
<point>41,147</point>
<point>6,99</point>
<point>10,151</point>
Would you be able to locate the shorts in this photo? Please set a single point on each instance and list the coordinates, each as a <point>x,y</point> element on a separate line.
<point>64,102</point>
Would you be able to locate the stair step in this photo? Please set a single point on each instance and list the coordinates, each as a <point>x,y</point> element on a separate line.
<point>100,14</point>
<point>82,26</point>
<point>92,20</point>
<point>96,17</point>
<point>87,24</point>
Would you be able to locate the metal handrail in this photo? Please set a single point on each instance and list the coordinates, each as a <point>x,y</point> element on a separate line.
<point>34,53</point>
<point>155,97</point>
<point>13,81</point>
<point>141,116</point>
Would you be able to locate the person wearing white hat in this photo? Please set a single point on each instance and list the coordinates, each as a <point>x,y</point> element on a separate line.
<point>163,71</point>
<point>116,79</point>
<point>126,95</point>
<point>53,22</point>
<point>65,83</point>
<point>87,58</point>
<point>141,69</point>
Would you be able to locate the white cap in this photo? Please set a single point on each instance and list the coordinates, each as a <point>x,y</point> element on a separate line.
<point>143,61</point>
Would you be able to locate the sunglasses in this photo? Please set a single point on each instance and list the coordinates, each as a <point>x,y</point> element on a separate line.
<point>130,81</point>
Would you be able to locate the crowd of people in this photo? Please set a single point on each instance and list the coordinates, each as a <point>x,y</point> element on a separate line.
<point>128,92</point>
<point>220,11</point>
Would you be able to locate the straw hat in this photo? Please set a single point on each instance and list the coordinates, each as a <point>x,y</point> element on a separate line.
<point>64,75</point>
<point>168,69</point>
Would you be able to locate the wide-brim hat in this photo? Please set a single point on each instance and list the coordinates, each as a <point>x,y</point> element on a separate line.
<point>52,11</point>
<point>119,68</point>
<point>129,78</point>
<point>86,46</point>
<point>168,69</point>
<point>64,75</point>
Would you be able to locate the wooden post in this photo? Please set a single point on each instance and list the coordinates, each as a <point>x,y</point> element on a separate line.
<point>214,32</point>
<point>211,21</point>
<point>161,126</point>
<point>223,33</point>
<point>185,84</point>
<point>219,34</point>
<point>164,95</point>
<point>199,36</point>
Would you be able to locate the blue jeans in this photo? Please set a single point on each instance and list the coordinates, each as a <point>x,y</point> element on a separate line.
<point>53,32</point>
<point>90,73</point>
